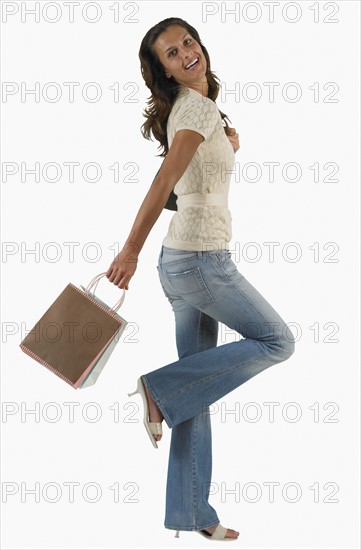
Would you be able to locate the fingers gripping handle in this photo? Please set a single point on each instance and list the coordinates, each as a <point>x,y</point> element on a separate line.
<point>95,281</point>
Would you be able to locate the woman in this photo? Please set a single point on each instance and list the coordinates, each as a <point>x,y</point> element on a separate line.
<point>196,271</point>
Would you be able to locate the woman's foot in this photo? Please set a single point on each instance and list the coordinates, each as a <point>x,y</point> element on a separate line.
<point>231,534</point>
<point>155,414</point>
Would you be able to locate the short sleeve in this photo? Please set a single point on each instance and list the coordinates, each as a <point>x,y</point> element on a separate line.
<point>198,115</point>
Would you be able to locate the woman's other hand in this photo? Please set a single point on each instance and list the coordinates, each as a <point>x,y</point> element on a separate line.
<point>122,269</point>
<point>233,138</point>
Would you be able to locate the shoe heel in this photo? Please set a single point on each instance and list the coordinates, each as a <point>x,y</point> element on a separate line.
<point>142,392</point>
<point>137,388</point>
<point>176,536</point>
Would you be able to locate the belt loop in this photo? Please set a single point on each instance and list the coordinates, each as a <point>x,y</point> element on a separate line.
<point>199,254</point>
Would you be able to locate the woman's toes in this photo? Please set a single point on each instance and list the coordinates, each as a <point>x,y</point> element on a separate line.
<point>232,534</point>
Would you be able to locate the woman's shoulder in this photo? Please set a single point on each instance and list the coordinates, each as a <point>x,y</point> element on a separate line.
<point>189,96</point>
<point>188,100</point>
<point>193,111</point>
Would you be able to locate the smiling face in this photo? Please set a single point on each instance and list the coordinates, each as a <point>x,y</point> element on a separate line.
<point>177,50</point>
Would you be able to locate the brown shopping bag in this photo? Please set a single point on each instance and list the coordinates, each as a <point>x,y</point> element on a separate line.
<point>76,335</point>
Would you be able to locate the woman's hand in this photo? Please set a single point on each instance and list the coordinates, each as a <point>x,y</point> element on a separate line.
<point>233,138</point>
<point>122,269</point>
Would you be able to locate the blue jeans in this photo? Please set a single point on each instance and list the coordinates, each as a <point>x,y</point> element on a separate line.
<point>205,288</point>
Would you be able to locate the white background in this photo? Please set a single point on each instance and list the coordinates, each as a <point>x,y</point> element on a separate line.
<point>317,295</point>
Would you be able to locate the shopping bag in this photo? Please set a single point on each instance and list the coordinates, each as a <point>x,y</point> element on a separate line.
<point>76,335</point>
<point>93,375</point>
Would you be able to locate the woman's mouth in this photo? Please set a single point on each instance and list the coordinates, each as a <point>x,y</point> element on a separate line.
<point>192,64</point>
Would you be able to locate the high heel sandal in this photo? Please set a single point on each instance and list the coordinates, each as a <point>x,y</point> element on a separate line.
<point>219,533</point>
<point>153,428</point>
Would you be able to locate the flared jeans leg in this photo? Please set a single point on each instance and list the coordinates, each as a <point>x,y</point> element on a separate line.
<point>190,455</point>
<point>210,283</point>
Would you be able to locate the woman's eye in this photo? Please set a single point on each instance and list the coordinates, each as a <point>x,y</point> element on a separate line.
<point>172,51</point>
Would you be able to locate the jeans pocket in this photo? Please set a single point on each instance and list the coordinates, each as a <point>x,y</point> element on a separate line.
<point>190,285</point>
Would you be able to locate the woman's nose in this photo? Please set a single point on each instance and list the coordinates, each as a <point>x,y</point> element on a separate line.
<point>187,56</point>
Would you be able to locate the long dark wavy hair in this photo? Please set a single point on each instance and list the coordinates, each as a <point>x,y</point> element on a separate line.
<point>165,90</point>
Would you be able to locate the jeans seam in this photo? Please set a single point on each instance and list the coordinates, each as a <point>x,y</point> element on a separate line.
<point>194,476</point>
<point>166,294</point>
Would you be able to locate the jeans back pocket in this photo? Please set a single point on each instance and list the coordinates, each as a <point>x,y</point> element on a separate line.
<point>189,284</point>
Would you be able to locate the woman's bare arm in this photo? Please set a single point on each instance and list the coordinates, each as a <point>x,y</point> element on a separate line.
<point>184,145</point>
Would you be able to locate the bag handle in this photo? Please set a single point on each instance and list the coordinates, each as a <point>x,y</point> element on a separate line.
<point>95,281</point>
